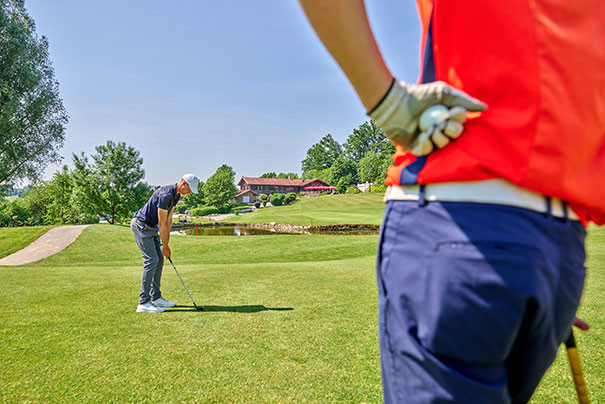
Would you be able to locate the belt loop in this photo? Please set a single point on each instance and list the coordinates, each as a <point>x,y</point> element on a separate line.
<point>565,216</point>
<point>421,200</point>
<point>548,206</point>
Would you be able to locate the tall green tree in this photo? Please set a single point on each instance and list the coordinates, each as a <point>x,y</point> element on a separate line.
<point>59,189</point>
<point>367,137</point>
<point>109,185</point>
<point>32,116</point>
<point>343,170</point>
<point>227,169</point>
<point>194,200</point>
<point>322,155</point>
<point>220,187</point>
<point>323,175</point>
<point>269,175</point>
<point>373,166</point>
<point>292,176</point>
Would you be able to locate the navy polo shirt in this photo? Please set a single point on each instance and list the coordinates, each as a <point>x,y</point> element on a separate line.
<point>164,197</point>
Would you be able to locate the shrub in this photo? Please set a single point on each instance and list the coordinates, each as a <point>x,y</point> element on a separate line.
<point>225,209</point>
<point>263,199</point>
<point>181,209</point>
<point>257,204</point>
<point>204,211</point>
<point>238,209</point>
<point>352,190</point>
<point>277,199</point>
<point>378,188</point>
<point>290,197</point>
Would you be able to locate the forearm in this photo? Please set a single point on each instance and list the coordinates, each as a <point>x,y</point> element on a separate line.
<point>343,27</point>
<point>164,230</point>
<point>169,225</point>
<point>164,224</point>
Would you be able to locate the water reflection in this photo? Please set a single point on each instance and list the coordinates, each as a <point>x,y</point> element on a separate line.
<point>255,231</point>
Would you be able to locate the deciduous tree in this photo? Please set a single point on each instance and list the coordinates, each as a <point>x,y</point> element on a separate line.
<point>220,187</point>
<point>367,137</point>
<point>322,155</point>
<point>110,184</point>
<point>32,116</point>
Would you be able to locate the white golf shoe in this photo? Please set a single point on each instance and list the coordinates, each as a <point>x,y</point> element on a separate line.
<point>163,303</point>
<point>149,308</point>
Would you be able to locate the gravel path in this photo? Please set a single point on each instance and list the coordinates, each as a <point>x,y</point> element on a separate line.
<point>50,243</point>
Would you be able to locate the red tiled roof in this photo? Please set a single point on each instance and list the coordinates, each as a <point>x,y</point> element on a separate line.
<point>276,181</point>
<point>243,191</point>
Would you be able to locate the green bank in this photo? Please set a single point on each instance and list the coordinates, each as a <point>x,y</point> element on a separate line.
<point>364,208</point>
<point>12,239</point>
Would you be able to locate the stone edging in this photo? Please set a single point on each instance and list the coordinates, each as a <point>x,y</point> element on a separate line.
<point>285,227</point>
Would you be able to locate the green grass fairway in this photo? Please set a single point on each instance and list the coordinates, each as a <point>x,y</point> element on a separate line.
<point>366,208</point>
<point>291,319</point>
<point>13,239</point>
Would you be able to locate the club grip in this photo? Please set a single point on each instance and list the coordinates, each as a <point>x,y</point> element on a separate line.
<point>576,369</point>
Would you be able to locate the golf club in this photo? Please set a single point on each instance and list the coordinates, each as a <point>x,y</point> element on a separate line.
<point>199,308</point>
<point>576,369</point>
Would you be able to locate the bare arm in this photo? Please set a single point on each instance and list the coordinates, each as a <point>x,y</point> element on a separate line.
<point>165,224</point>
<point>343,27</point>
<point>170,222</point>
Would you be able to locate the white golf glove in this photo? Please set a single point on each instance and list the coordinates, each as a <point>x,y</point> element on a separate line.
<point>397,114</point>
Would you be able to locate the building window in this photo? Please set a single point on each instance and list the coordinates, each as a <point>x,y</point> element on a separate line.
<point>246,199</point>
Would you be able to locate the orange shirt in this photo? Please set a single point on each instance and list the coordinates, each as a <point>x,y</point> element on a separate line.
<point>540,67</point>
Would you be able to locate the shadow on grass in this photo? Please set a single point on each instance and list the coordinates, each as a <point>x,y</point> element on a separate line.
<point>230,309</point>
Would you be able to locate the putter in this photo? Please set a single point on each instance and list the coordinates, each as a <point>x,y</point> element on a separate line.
<point>576,369</point>
<point>199,308</point>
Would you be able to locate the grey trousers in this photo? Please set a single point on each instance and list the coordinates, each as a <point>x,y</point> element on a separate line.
<point>148,241</point>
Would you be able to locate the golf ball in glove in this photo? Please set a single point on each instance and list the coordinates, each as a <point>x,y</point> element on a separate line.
<point>433,116</point>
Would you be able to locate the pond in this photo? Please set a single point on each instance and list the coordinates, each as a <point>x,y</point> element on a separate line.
<point>257,231</point>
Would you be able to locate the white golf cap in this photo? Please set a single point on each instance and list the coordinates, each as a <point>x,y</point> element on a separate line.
<point>193,181</point>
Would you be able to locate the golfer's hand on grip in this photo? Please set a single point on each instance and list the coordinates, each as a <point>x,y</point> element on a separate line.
<point>166,251</point>
<point>398,112</point>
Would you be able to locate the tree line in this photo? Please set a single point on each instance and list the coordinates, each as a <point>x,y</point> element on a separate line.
<point>364,157</point>
<point>109,184</point>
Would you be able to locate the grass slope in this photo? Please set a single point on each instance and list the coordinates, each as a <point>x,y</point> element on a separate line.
<point>13,239</point>
<point>366,208</point>
<point>291,319</point>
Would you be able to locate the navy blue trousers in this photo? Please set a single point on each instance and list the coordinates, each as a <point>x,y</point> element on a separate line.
<point>474,300</point>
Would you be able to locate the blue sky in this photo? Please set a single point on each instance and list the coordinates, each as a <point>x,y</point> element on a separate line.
<point>196,84</point>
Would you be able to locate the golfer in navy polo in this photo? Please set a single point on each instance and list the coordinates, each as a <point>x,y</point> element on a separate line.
<point>151,228</point>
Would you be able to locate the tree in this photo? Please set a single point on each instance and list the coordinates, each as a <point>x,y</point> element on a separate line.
<point>59,190</point>
<point>220,187</point>
<point>323,175</point>
<point>369,167</point>
<point>269,175</point>
<point>194,200</point>
<point>228,169</point>
<point>291,176</point>
<point>32,116</point>
<point>343,169</point>
<point>373,167</point>
<point>322,155</point>
<point>367,137</point>
<point>110,184</point>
